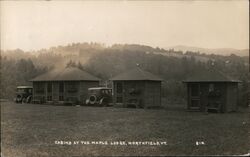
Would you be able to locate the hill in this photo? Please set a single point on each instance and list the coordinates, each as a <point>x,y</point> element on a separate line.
<point>219,51</point>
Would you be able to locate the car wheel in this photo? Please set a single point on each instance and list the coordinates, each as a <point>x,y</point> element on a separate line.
<point>23,101</point>
<point>19,99</point>
<point>104,102</point>
<point>92,99</point>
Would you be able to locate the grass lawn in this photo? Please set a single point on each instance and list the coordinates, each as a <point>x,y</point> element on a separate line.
<point>31,130</point>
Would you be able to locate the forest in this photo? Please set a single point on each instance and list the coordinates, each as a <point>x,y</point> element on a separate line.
<point>18,66</point>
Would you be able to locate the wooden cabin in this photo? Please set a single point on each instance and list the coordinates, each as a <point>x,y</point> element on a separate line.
<point>212,90</point>
<point>69,85</point>
<point>137,88</point>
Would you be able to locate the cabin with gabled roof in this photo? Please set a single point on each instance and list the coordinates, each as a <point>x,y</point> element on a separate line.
<point>137,88</point>
<point>212,90</point>
<point>69,85</point>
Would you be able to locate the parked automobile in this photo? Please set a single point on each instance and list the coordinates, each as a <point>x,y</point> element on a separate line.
<point>23,94</point>
<point>99,96</point>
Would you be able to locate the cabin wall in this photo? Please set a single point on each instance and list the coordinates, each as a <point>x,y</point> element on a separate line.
<point>232,97</point>
<point>115,93</point>
<point>134,85</point>
<point>78,90</point>
<point>70,90</point>
<point>204,88</point>
<point>55,91</point>
<point>39,90</point>
<point>127,87</point>
<point>217,87</point>
<point>203,97</point>
<point>152,95</point>
<point>149,92</point>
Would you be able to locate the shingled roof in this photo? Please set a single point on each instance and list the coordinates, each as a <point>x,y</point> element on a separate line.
<point>210,75</point>
<point>67,74</point>
<point>136,75</point>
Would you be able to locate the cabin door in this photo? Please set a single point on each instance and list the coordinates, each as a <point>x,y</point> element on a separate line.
<point>119,92</point>
<point>49,91</point>
<point>194,96</point>
<point>61,91</point>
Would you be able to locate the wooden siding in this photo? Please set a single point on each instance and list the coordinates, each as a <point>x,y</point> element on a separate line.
<point>55,91</point>
<point>228,98</point>
<point>232,97</point>
<point>39,91</point>
<point>152,93</point>
<point>77,90</point>
<point>149,92</point>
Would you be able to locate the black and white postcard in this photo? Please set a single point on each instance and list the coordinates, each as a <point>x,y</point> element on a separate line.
<point>124,78</point>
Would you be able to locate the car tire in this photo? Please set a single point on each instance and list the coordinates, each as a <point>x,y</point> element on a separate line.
<point>24,100</point>
<point>92,99</point>
<point>19,99</point>
<point>104,102</point>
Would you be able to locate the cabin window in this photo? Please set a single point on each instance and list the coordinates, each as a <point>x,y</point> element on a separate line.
<point>195,103</point>
<point>49,87</point>
<point>61,87</point>
<point>211,87</point>
<point>119,87</point>
<point>39,87</point>
<point>195,90</point>
<point>119,99</point>
<point>72,87</point>
<point>61,98</point>
<point>49,98</point>
<point>29,90</point>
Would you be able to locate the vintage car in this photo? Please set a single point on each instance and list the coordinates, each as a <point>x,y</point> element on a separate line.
<point>99,96</point>
<point>23,94</point>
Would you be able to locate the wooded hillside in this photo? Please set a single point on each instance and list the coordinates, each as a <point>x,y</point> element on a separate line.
<point>18,67</point>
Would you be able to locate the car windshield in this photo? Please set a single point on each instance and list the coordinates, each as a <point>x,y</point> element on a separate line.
<point>24,90</point>
<point>93,91</point>
<point>106,91</point>
<point>20,90</point>
<point>102,91</point>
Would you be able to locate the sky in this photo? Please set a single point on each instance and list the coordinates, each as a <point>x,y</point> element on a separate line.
<point>32,25</point>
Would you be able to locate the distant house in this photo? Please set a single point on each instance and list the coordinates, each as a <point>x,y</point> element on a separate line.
<point>212,89</point>
<point>137,88</point>
<point>69,85</point>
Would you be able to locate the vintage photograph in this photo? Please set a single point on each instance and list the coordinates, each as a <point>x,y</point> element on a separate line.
<point>124,78</point>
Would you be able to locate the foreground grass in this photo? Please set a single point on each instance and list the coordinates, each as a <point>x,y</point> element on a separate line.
<point>31,130</point>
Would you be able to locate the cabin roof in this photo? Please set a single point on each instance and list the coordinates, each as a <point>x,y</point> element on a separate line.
<point>67,74</point>
<point>210,75</point>
<point>136,75</point>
